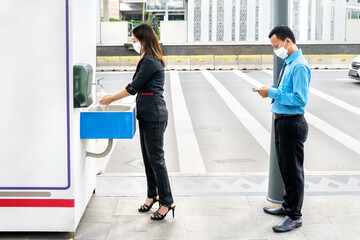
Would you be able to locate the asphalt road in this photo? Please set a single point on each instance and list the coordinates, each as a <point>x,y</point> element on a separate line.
<point>231,126</point>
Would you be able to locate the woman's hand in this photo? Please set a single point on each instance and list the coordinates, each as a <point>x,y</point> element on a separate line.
<point>107,99</point>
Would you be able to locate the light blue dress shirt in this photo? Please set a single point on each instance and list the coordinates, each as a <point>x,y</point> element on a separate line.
<point>292,94</point>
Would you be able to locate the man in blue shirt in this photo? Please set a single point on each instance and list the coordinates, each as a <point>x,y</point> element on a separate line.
<point>290,97</point>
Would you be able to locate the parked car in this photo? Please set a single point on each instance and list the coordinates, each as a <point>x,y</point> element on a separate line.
<point>354,69</point>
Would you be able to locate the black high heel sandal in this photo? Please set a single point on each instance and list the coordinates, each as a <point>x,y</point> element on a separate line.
<point>159,216</point>
<point>146,208</point>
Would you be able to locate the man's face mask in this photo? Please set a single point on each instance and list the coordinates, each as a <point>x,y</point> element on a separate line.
<point>282,52</point>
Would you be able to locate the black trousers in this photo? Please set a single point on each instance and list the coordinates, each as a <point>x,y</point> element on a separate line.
<point>152,142</point>
<point>290,135</point>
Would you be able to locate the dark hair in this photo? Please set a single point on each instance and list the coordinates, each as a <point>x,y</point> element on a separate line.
<point>282,32</point>
<point>149,40</point>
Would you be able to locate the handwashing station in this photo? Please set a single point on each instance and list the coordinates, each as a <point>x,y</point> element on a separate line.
<point>49,121</point>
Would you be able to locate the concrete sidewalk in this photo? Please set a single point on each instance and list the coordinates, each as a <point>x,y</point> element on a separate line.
<point>212,217</point>
<point>235,217</point>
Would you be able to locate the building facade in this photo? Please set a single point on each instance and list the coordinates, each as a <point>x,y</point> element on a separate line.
<point>252,20</point>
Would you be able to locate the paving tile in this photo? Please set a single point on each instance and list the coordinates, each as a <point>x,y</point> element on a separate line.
<point>127,235</point>
<point>256,200</point>
<point>233,202</point>
<point>244,231</point>
<point>310,217</point>
<point>347,223</point>
<point>90,231</point>
<point>197,223</point>
<point>103,202</point>
<point>208,235</point>
<point>130,206</point>
<point>238,215</point>
<point>354,200</point>
<point>168,228</point>
<point>98,215</point>
<point>199,208</point>
<point>130,224</point>
<point>329,205</point>
<point>322,231</point>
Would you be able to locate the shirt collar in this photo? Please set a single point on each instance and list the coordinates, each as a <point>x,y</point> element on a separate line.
<point>293,56</point>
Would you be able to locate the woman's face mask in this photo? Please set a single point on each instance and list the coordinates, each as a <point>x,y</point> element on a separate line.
<point>137,46</point>
<point>282,52</point>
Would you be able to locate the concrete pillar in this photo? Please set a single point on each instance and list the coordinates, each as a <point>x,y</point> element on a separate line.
<point>106,10</point>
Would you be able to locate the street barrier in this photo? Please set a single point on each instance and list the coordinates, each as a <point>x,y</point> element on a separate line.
<point>249,62</point>
<point>108,64</point>
<point>267,62</point>
<point>341,61</point>
<point>177,62</point>
<point>226,62</point>
<point>221,62</point>
<point>129,63</point>
<point>319,61</point>
<point>202,62</point>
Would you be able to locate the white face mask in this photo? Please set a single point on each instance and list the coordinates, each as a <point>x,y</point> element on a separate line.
<point>137,47</point>
<point>282,52</point>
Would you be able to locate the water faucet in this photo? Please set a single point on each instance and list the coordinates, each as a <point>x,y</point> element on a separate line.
<point>98,83</point>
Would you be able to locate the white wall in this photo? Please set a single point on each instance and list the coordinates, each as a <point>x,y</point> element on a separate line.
<point>114,32</point>
<point>326,21</point>
<point>33,136</point>
<point>83,48</point>
<point>340,20</point>
<point>352,30</point>
<point>205,7</point>
<point>173,31</point>
<point>264,20</point>
<point>250,28</point>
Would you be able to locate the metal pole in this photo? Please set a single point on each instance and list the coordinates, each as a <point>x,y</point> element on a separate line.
<point>276,186</point>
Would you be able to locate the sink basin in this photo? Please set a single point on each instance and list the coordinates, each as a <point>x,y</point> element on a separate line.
<point>117,122</point>
<point>111,108</point>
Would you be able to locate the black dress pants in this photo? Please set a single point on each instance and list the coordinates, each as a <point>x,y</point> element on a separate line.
<point>290,135</point>
<point>152,142</point>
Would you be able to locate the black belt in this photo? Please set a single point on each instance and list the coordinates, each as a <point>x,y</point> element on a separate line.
<point>275,115</point>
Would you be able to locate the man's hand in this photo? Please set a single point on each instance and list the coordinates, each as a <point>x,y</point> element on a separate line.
<point>263,91</point>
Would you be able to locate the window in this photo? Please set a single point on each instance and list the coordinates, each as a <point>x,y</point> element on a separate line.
<point>163,5</point>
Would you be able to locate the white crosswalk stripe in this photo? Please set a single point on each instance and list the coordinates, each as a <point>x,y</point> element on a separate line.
<point>261,135</point>
<point>190,159</point>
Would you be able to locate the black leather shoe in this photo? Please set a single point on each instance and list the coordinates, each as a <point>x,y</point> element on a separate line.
<point>275,211</point>
<point>287,225</point>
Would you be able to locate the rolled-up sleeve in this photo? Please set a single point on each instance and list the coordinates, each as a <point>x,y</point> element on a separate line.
<point>146,70</point>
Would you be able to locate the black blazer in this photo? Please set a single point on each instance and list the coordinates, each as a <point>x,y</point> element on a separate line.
<point>148,83</point>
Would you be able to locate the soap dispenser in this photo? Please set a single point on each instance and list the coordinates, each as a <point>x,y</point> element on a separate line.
<point>83,74</point>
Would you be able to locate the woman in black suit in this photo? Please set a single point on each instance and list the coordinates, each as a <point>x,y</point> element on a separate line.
<point>148,84</point>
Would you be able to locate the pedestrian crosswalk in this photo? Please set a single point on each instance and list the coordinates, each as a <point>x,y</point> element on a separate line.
<point>261,135</point>
<point>220,127</point>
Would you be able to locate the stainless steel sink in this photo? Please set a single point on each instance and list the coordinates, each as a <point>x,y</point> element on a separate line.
<point>111,108</point>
